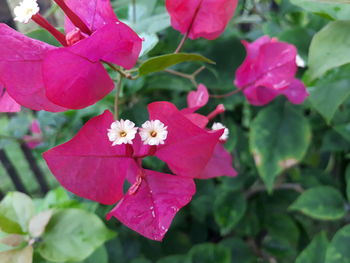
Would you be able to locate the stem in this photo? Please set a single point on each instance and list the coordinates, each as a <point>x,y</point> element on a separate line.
<point>225,95</point>
<point>262,188</point>
<point>12,172</point>
<point>116,99</point>
<point>39,175</point>
<point>191,77</point>
<point>73,17</point>
<point>121,72</point>
<point>41,21</point>
<point>181,44</point>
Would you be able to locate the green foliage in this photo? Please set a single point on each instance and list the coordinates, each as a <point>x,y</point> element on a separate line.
<point>322,202</point>
<point>161,63</point>
<point>338,250</point>
<point>315,251</point>
<point>292,191</point>
<point>279,139</point>
<point>329,48</point>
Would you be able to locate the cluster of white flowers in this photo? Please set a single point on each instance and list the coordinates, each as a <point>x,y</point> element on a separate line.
<point>124,131</point>
<point>25,10</point>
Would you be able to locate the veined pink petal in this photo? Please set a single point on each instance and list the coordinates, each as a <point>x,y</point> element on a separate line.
<point>188,148</point>
<point>199,98</point>
<point>88,165</point>
<point>115,42</point>
<point>202,18</point>
<point>296,92</point>
<point>20,69</point>
<point>268,63</point>
<point>198,119</point>
<point>8,104</point>
<point>73,81</point>
<point>95,13</point>
<point>219,165</point>
<point>151,209</point>
<point>259,95</point>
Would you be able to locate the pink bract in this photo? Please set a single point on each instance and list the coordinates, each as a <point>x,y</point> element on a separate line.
<point>89,166</point>
<point>35,138</point>
<point>7,104</point>
<point>269,71</point>
<point>201,18</point>
<point>43,77</point>
<point>220,163</point>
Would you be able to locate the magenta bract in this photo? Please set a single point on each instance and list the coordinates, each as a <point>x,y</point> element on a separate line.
<point>201,18</point>
<point>7,104</point>
<point>89,166</point>
<point>269,71</point>
<point>44,77</point>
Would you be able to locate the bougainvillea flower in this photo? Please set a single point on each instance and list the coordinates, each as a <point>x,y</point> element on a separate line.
<point>91,167</point>
<point>201,18</point>
<point>7,104</point>
<point>269,71</point>
<point>44,77</point>
<point>221,162</point>
<point>36,136</point>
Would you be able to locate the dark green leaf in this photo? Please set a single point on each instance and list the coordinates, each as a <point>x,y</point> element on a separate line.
<point>160,63</point>
<point>279,138</point>
<point>338,250</point>
<point>209,253</point>
<point>229,208</point>
<point>321,202</point>
<point>315,251</point>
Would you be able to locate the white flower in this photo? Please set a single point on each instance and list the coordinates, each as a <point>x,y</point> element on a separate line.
<point>300,62</point>
<point>219,126</point>
<point>153,132</point>
<point>122,132</point>
<point>25,10</point>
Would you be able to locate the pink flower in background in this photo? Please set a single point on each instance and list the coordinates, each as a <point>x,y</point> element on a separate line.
<point>220,163</point>
<point>43,77</point>
<point>201,18</point>
<point>36,136</point>
<point>269,71</point>
<point>89,166</point>
<point>7,104</point>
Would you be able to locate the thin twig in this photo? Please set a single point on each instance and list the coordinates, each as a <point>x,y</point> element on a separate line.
<point>225,95</point>
<point>191,77</point>
<point>38,173</point>
<point>181,44</point>
<point>121,72</point>
<point>116,98</point>
<point>12,172</point>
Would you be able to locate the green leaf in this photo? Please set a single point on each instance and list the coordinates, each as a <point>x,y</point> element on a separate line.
<point>209,253</point>
<point>330,92</point>
<point>39,222</point>
<point>329,48</point>
<point>229,208</point>
<point>315,251</point>
<point>43,35</point>
<point>16,209</point>
<point>240,251</point>
<point>331,9</point>
<point>338,250</point>
<point>73,235</point>
<point>175,259</point>
<point>347,176</point>
<point>343,130</point>
<point>160,63</point>
<point>321,202</point>
<point>279,138</point>
<point>99,256</point>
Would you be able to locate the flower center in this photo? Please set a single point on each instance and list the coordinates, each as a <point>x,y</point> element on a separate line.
<point>153,134</point>
<point>123,134</point>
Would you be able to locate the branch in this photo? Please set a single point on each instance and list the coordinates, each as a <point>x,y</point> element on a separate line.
<point>39,175</point>
<point>12,172</point>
